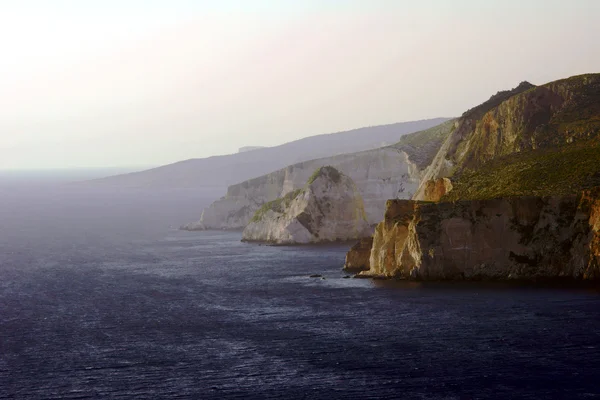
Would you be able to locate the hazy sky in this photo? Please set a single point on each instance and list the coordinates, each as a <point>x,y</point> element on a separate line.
<point>87,83</point>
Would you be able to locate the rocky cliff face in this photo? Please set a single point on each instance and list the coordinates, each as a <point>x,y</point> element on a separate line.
<point>378,174</point>
<point>513,238</point>
<point>527,119</point>
<point>551,115</point>
<point>436,189</point>
<point>329,208</point>
<point>359,255</point>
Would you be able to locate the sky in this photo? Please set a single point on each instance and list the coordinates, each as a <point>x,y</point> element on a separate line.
<point>121,83</point>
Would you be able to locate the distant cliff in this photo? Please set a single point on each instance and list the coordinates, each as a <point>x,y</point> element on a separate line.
<point>380,174</point>
<point>249,148</point>
<point>517,238</point>
<point>329,208</point>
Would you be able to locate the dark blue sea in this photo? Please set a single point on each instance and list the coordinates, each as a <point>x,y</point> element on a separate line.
<point>102,297</point>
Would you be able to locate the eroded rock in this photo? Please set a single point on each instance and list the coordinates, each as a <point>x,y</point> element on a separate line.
<point>329,208</point>
<point>378,175</point>
<point>435,189</point>
<point>513,238</point>
<point>358,257</point>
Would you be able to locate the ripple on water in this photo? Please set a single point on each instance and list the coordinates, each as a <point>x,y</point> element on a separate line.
<point>201,315</point>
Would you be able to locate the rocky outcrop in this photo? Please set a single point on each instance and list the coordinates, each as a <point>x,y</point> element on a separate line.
<point>378,174</point>
<point>390,238</point>
<point>329,208</point>
<point>440,166</point>
<point>514,238</point>
<point>591,204</point>
<point>358,257</point>
<point>435,189</point>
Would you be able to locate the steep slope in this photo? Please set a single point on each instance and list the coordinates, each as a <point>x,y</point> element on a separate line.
<point>521,201</point>
<point>516,238</point>
<point>358,258</point>
<point>421,147</point>
<point>379,174</point>
<point>329,208</point>
<point>557,171</point>
<point>523,126</point>
<point>222,171</point>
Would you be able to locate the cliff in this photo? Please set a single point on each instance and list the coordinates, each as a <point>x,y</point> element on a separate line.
<point>513,238</point>
<point>358,258</point>
<point>328,209</point>
<point>436,189</point>
<point>527,126</point>
<point>380,174</point>
<point>522,200</point>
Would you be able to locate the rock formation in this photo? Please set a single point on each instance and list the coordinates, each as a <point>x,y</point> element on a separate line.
<point>358,258</point>
<point>513,238</point>
<point>378,174</point>
<point>435,189</point>
<point>522,203</point>
<point>329,208</point>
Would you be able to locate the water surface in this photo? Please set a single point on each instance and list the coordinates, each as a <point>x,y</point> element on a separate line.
<point>100,297</point>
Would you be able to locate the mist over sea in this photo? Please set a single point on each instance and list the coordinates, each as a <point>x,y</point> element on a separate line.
<point>102,297</point>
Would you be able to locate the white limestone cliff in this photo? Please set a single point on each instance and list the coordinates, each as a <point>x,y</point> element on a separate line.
<point>329,208</point>
<point>379,174</point>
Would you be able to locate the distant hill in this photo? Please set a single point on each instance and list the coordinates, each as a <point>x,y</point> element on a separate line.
<point>222,171</point>
<point>249,148</point>
<point>59,176</point>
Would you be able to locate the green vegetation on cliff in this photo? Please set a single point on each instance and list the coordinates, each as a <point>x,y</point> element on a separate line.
<point>422,146</point>
<point>421,138</point>
<point>497,99</point>
<point>544,172</point>
<point>327,170</point>
<point>531,141</point>
<point>546,116</point>
<point>277,205</point>
<point>281,203</point>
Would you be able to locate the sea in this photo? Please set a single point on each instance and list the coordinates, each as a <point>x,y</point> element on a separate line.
<point>102,297</point>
